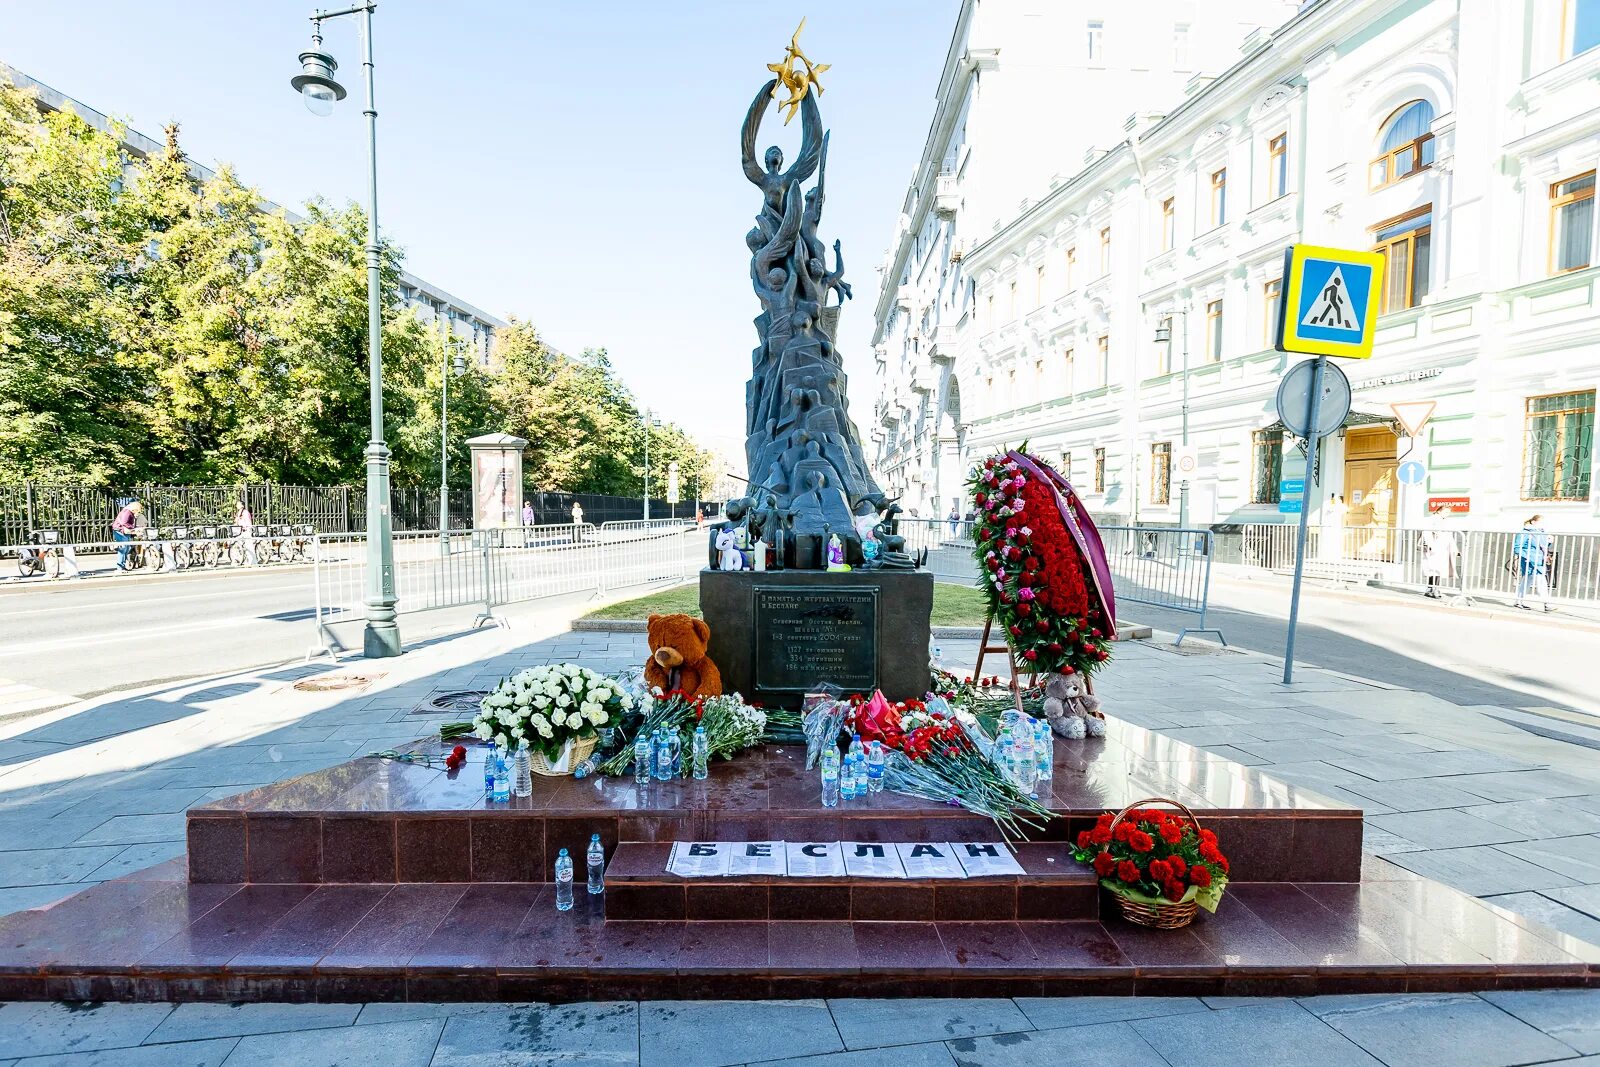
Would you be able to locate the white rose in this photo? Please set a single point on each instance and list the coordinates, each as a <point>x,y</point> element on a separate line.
<point>545,731</point>
<point>541,701</point>
<point>482,732</point>
<point>538,722</point>
<point>518,732</point>
<point>562,700</point>
<point>502,740</point>
<point>552,688</point>
<point>574,720</point>
<point>523,700</point>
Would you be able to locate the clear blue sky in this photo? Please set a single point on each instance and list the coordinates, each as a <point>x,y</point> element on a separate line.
<point>572,163</point>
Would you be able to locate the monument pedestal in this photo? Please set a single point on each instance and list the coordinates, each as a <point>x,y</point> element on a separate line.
<point>777,635</point>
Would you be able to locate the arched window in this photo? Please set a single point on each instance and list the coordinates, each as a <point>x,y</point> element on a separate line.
<point>1405,144</point>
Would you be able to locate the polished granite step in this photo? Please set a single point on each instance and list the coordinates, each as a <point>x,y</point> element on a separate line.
<point>155,936</point>
<point>374,820</point>
<point>1052,888</point>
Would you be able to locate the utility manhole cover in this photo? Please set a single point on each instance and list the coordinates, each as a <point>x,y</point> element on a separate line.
<point>460,700</point>
<point>329,682</point>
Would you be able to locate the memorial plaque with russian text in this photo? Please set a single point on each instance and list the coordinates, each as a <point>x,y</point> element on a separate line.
<point>805,637</point>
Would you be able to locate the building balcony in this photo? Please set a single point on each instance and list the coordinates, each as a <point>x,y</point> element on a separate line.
<point>946,196</point>
<point>942,344</point>
<point>924,379</point>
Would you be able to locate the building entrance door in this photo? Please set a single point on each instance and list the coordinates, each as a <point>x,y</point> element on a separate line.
<point>1371,485</point>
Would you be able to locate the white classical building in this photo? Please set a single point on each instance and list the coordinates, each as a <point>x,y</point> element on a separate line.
<point>1459,139</point>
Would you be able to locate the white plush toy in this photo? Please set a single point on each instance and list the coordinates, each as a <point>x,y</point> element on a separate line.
<point>729,558</point>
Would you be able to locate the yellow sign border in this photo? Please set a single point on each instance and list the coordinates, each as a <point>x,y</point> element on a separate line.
<point>1294,268</point>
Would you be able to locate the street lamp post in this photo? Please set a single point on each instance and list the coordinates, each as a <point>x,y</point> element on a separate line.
<point>454,347</point>
<point>1164,336</point>
<point>318,89</point>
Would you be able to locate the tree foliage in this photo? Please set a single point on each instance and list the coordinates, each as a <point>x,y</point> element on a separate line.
<point>158,328</point>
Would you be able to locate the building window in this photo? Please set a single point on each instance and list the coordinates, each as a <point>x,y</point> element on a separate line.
<point>1038,377</point>
<point>1180,46</point>
<point>1161,472</point>
<point>1011,302</point>
<point>1580,26</point>
<point>1038,286</point>
<point>1066,363</point>
<point>1266,452</point>
<point>1558,446</point>
<point>1072,263</point>
<point>1405,145</point>
<point>1169,224</point>
<point>1105,250</point>
<point>1103,347</point>
<point>1405,244</point>
<point>1271,293</point>
<point>1099,470</point>
<point>1011,389</point>
<point>1097,41</point>
<point>1278,166</point>
<point>1214,330</point>
<point>1571,223</point>
<point>1219,196</point>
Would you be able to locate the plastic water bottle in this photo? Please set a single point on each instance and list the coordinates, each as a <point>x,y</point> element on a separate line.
<point>663,758</point>
<point>863,786</point>
<point>702,752</point>
<point>502,777</point>
<point>875,762</point>
<point>597,865</point>
<point>674,754</point>
<point>856,747</point>
<point>1023,739</point>
<point>488,769</point>
<point>523,785</point>
<point>830,777</point>
<point>1044,751</point>
<point>563,882</point>
<point>642,751</point>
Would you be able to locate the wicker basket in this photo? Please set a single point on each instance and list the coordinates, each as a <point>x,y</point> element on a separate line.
<point>575,753</point>
<point>1165,915</point>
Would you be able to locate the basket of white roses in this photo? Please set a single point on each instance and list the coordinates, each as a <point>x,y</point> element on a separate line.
<point>558,710</point>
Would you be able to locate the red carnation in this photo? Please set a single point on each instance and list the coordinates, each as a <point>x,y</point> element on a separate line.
<point>1171,832</point>
<point>1140,841</point>
<point>1104,864</point>
<point>1128,871</point>
<point>1174,890</point>
<point>1031,563</point>
<point>1179,865</point>
<point>1100,835</point>
<point>1160,871</point>
<point>1200,876</point>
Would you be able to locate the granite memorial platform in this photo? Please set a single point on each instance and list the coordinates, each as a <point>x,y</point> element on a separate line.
<point>379,880</point>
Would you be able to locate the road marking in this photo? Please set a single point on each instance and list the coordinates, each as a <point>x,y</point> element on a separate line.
<point>78,641</point>
<point>155,601</point>
<point>17,698</point>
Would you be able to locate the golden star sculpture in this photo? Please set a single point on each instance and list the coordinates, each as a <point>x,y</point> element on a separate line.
<point>798,80</point>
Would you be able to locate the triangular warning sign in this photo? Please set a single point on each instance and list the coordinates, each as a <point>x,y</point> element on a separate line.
<point>1413,415</point>
<point>1332,309</point>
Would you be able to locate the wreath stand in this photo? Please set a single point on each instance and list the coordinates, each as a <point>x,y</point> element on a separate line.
<point>985,648</point>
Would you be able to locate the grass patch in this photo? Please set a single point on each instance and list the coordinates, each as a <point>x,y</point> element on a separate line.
<point>953,605</point>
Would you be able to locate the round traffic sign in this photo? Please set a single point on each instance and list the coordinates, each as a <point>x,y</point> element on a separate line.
<point>1294,398</point>
<point>1411,472</point>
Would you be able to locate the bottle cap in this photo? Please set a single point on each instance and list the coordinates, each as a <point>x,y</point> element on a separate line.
<point>594,837</point>
<point>563,852</point>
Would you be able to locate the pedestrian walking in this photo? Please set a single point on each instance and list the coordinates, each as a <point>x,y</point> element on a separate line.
<point>1438,547</point>
<point>123,527</point>
<point>577,522</point>
<point>954,518</point>
<point>527,513</point>
<point>246,525</point>
<point>1530,556</point>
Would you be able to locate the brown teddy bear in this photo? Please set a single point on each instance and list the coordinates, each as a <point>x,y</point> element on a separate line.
<point>678,656</point>
<point>1071,710</point>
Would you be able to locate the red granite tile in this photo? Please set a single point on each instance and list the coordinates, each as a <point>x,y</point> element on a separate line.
<point>1242,939</point>
<point>896,902</point>
<point>1259,849</point>
<point>964,985</point>
<point>573,835</point>
<point>1162,951</point>
<point>735,901</point>
<point>1325,850</point>
<point>222,933</point>
<point>723,948</point>
<point>984,948</point>
<point>1058,902</point>
<point>1333,939</point>
<point>632,987</point>
<point>898,948</point>
<point>975,901</point>
<point>639,859</point>
<point>553,989</point>
<point>627,826</point>
<point>476,986</point>
<point>361,987</point>
<point>1075,985</point>
<point>283,849</point>
<point>174,870</point>
<point>393,931</point>
<point>1479,928</point>
<point>1172,984</point>
<point>358,848</point>
<point>814,901</point>
<point>697,985</point>
<point>433,849</point>
<point>1079,947</point>
<point>474,933</point>
<point>509,848</point>
<point>301,937</point>
<point>628,900</point>
<point>110,926</point>
<point>216,849</point>
<point>798,948</point>
<point>1052,860</point>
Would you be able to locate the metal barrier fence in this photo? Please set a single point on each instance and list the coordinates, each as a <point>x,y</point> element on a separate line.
<point>949,547</point>
<point>489,568</point>
<point>1477,563</point>
<point>1163,567</point>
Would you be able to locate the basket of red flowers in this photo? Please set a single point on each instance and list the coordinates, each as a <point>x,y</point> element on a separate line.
<point>1159,866</point>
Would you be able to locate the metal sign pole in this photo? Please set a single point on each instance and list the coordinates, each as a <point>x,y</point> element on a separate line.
<point>1313,436</point>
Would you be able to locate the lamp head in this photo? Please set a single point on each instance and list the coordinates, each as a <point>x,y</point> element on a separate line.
<point>315,83</point>
<point>1163,334</point>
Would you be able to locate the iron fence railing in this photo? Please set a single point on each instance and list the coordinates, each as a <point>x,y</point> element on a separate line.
<point>1469,563</point>
<point>83,514</point>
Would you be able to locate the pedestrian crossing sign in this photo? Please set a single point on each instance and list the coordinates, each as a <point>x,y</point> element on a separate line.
<point>1328,301</point>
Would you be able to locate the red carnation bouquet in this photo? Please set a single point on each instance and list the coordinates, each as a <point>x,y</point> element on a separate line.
<point>1154,857</point>
<point>1033,571</point>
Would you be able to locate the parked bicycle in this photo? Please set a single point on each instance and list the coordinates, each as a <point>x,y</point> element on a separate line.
<point>300,544</point>
<point>46,556</point>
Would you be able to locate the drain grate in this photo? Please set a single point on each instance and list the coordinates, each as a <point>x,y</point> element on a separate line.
<point>457,700</point>
<point>328,683</point>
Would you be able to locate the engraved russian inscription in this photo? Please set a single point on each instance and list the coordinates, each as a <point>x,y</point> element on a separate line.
<point>804,637</point>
